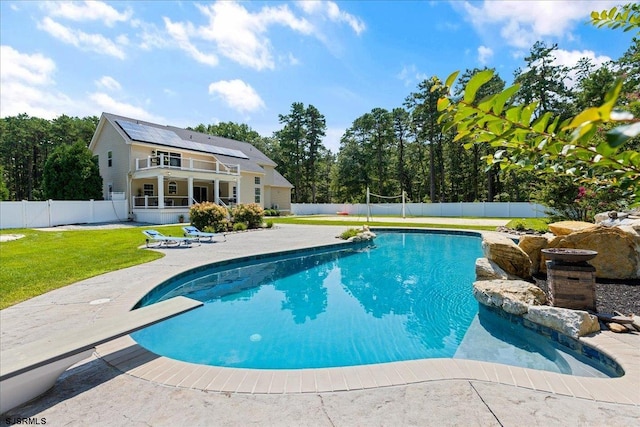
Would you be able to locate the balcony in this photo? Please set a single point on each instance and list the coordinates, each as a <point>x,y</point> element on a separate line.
<point>165,162</point>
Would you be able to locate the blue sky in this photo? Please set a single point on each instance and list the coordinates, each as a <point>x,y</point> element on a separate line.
<point>185,63</point>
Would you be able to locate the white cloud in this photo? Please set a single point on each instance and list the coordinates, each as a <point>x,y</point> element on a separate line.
<point>410,75</point>
<point>181,34</point>
<point>331,11</point>
<point>33,69</point>
<point>104,102</point>
<point>241,35</point>
<point>87,11</point>
<point>522,23</point>
<point>107,82</point>
<point>484,54</point>
<point>237,94</point>
<point>571,58</point>
<point>84,41</point>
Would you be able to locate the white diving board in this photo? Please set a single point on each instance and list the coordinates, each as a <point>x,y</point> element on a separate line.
<point>28,370</point>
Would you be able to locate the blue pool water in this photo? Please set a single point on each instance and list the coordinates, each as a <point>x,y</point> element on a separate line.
<point>406,296</point>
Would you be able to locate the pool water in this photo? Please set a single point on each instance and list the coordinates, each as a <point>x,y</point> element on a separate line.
<point>405,296</point>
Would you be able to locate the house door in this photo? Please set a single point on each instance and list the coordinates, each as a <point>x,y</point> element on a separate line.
<point>200,194</point>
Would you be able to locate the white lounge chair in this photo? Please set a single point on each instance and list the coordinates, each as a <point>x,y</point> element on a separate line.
<point>191,231</point>
<point>161,239</point>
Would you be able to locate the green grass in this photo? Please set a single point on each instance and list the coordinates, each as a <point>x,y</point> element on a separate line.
<point>540,225</point>
<point>46,260</point>
<point>316,221</point>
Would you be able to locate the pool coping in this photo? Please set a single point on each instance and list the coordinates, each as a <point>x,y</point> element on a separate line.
<point>128,357</point>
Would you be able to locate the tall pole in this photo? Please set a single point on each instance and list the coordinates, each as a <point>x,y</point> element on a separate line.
<point>368,206</point>
<point>403,204</point>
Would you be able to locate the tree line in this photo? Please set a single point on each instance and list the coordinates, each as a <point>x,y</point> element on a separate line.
<point>406,149</point>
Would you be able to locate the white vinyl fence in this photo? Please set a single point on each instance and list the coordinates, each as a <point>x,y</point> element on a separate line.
<point>482,209</point>
<point>49,213</point>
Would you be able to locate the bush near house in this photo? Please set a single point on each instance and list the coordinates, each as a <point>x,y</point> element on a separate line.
<point>251,214</point>
<point>208,215</point>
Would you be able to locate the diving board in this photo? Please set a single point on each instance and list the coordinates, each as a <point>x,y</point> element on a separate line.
<point>29,370</point>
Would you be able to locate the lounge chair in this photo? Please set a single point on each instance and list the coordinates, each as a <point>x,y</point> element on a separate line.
<point>191,231</point>
<point>161,239</point>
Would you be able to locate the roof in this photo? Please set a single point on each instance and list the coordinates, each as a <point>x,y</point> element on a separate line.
<point>225,150</point>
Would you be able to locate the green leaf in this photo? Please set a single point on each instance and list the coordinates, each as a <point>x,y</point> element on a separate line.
<point>618,136</point>
<point>588,115</point>
<point>443,103</point>
<point>474,84</point>
<point>503,97</point>
<point>452,78</point>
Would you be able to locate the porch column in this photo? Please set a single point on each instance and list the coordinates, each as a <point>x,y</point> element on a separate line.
<point>160,192</point>
<point>190,190</point>
<point>238,191</point>
<point>216,191</point>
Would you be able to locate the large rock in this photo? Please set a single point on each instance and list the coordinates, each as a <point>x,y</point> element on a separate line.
<point>532,245</point>
<point>489,270</point>
<point>512,296</point>
<point>564,228</point>
<point>574,323</point>
<point>506,254</point>
<point>618,251</point>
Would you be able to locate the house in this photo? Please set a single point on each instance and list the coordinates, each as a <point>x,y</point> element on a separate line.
<point>163,170</point>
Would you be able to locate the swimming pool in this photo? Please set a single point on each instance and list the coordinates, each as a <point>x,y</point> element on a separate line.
<point>407,296</point>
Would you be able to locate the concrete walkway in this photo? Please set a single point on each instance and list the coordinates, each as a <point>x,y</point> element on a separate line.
<point>96,393</point>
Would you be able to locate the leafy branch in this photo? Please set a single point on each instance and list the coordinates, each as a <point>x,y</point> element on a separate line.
<point>574,147</point>
<point>627,18</point>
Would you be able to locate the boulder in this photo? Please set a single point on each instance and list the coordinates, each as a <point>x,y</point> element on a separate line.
<point>532,245</point>
<point>564,228</point>
<point>574,323</point>
<point>489,270</point>
<point>618,251</point>
<point>506,254</point>
<point>362,237</point>
<point>512,296</point>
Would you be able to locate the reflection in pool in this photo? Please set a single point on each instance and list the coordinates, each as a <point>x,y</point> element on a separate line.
<point>407,296</point>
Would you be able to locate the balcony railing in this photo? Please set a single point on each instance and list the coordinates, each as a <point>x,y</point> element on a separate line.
<point>151,202</point>
<point>188,164</point>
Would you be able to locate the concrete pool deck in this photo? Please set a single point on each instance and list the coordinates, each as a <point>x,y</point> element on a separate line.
<point>128,385</point>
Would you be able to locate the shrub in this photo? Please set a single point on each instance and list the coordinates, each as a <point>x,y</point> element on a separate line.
<point>208,215</point>
<point>240,226</point>
<point>568,200</point>
<point>250,214</point>
<point>269,224</point>
<point>271,212</point>
<point>349,233</point>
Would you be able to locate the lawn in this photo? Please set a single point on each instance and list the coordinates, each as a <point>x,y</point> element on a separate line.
<point>373,223</point>
<point>46,260</point>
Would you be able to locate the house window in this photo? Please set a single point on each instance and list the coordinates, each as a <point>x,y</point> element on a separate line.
<point>109,158</point>
<point>257,198</point>
<point>147,189</point>
<point>173,187</point>
<point>256,180</point>
<point>170,159</point>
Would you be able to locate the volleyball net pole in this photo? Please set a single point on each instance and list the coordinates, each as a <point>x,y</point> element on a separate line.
<point>403,196</point>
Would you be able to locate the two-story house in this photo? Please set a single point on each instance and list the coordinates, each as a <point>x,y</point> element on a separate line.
<point>163,170</point>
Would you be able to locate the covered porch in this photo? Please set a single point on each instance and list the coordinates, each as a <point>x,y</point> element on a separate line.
<point>163,193</point>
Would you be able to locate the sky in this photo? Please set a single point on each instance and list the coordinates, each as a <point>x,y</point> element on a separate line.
<point>183,63</point>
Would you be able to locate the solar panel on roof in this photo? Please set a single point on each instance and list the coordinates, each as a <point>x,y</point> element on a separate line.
<point>144,133</point>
